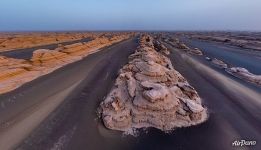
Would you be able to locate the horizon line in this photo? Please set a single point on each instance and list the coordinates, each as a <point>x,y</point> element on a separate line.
<point>71,30</point>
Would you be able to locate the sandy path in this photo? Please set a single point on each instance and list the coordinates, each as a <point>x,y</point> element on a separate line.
<point>24,124</point>
<point>23,109</point>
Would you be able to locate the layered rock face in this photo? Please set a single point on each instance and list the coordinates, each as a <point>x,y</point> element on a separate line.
<point>26,40</point>
<point>16,72</point>
<point>70,53</point>
<point>149,92</point>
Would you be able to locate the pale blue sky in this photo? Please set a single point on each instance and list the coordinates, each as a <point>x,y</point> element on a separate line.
<point>19,15</point>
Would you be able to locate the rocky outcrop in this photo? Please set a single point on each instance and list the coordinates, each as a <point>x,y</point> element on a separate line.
<point>244,74</point>
<point>195,51</point>
<point>15,41</point>
<point>149,92</point>
<point>161,48</point>
<point>51,58</point>
<point>219,63</point>
<point>83,49</point>
<point>16,72</point>
<point>249,40</point>
<point>179,45</point>
<point>239,72</point>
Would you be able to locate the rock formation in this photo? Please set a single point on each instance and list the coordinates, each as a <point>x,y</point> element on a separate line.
<point>239,72</point>
<point>249,40</point>
<point>244,74</point>
<point>15,41</point>
<point>179,45</point>
<point>149,92</point>
<point>219,63</point>
<point>16,72</point>
<point>160,47</point>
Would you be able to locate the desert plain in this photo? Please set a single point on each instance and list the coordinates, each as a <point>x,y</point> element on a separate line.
<point>129,90</point>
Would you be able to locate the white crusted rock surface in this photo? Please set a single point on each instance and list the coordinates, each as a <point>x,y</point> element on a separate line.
<point>149,92</point>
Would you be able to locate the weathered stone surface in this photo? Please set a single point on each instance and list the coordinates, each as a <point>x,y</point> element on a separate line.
<point>14,41</point>
<point>16,72</point>
<point>179,45</point>
<point>161,48</point>
<point>52,58</point>
<point>195,51</point>
<point>219,63</point>
<point>246,40</point>
<point>149,92</point>
<point>244,74</point>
